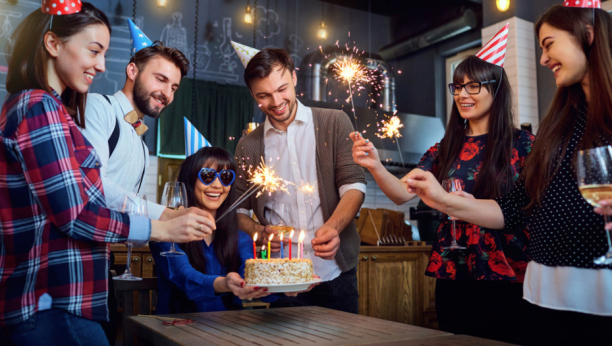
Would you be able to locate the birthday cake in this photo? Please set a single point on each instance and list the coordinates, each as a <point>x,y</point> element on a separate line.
<point>277,271</point>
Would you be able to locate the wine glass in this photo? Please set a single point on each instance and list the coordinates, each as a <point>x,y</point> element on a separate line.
<point>136,205</point>
<point>452,185</point>
<point>280,219</point>
<point>174,197</point>
<point>595,184</point>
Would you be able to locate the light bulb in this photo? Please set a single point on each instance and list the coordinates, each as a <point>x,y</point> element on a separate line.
<point>162,3</point>
<point>502,5</point>
<point>322,31</point>
<point>248,15</point>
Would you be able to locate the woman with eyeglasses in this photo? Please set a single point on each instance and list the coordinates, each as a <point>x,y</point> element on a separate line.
<point>210,276</point>
<point>478,290</point>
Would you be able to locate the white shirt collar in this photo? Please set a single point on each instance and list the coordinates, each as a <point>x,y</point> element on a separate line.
<point>124,103</point>
<point>303,115</point>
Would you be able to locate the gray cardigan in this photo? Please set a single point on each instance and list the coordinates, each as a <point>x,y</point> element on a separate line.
<point>335,168</point>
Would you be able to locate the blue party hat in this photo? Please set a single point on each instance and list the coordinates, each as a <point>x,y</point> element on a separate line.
<point>194,140</point>
<point>139,39</point>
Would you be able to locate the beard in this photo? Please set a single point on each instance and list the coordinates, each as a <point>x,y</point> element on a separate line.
<point>290,105</point>
<point>142,99</point>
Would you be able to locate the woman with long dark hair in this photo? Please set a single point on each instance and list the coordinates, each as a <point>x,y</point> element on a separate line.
<point>483,150</point>
<point>214,266</point>
<point>570,294</point>
<point>54,224</point>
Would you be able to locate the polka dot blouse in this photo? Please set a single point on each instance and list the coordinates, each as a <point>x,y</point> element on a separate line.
<point>564,230</point>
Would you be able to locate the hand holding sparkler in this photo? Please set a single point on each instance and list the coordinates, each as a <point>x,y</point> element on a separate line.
<point>364,152</point>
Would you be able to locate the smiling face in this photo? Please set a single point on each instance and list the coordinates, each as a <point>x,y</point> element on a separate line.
<point>474,107</point>
<point>275,95</point>
<point>80,57</point>
<point>155,85</point>
<point>210,197</point>
<point>563,55</point>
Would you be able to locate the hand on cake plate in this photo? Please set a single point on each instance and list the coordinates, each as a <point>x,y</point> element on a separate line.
<point>236,284</point>
<point>326,242</point>
<point>275,243</point>
<point>294,294</point>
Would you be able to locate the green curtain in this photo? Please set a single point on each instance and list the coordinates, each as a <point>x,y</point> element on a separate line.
<point>222,111</point>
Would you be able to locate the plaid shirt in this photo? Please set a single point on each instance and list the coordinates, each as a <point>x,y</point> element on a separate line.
<point>54,226</point>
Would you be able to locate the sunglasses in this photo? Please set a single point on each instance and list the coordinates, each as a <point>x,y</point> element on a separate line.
<point>208,175</point>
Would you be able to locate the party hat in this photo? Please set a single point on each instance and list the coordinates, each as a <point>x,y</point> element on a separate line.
<point>139,39</point>
<point>194,140</point>
<point>61,7</point>
<point>245,53</point>
<point>582,3</point>
<point>494,51</point>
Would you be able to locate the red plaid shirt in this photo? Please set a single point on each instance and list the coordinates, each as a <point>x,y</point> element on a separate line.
<point>54,226</point>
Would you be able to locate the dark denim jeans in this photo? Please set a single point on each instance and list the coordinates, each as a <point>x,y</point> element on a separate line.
<point>339,294</point>
<point>55,327</point>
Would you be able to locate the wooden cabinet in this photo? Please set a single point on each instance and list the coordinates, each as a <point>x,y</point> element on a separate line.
<point>142,264</point>
<point>167,170</point>
<point>392,285</point>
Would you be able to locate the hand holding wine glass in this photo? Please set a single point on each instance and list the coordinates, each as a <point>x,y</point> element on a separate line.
<point>453,185</point>
<point>174,197</point>
<point>595,185</point>
<point>133,205</point>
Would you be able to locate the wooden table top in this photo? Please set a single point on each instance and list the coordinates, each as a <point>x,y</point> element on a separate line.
<point>290,326</point>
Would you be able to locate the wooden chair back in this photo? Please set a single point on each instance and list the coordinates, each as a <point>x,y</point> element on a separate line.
<point>370,224</point>
<point>142,304</point>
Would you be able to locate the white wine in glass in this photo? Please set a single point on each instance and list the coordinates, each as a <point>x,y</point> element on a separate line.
<point>595,185</point>
<point>174,197</point>
<point>452,185</point>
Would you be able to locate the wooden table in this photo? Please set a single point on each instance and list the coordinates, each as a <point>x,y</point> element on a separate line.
<point>289,326</point>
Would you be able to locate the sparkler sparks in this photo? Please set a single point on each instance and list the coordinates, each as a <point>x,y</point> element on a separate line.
<point>350,70</point>
<point>264,177</point>
<point>390,128</point>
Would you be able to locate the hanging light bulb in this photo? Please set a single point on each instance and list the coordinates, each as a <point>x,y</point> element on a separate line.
<point>248,14</point>
<point>503,5</point>
<point>322,31</point>
<point>162,3</point>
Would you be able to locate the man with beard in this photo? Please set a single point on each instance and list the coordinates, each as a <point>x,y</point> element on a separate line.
<point>114,123</point>
<point>304,145</point>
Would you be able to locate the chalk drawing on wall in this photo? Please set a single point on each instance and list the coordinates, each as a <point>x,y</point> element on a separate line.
<point>294,44</point>
<point>237,34</point>
<point>224,51</point>
<point>175,35</point>
<point>31,4</point>
<point>268,21</point>
<point>203,59</point>
<point>104,84</point>
<point>7,27</point>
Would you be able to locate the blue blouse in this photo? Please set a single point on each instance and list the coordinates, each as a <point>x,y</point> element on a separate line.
<point>183,289</point>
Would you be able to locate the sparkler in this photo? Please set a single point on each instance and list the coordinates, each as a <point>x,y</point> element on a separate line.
<point>263,178</point>
<point>390,129</point>
<point>350,70</point>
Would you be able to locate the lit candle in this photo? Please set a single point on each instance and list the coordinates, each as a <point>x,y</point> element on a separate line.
<point>301,244</point>
<point>290,244</point>
<point>263,251</point>
<point>282,249</point>
<point>254,250</point>
<point>269,248</point>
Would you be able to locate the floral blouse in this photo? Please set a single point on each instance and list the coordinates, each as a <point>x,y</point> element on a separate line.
<point>489,255</point>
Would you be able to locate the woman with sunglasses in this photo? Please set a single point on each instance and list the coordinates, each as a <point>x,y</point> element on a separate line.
<point>484,151</point>
<point>209,278</point>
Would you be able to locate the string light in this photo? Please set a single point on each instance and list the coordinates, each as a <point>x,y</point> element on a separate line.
<point>248,14</point>
<point>503,5</point>
<point>322,30</point>
<point>162,3</point>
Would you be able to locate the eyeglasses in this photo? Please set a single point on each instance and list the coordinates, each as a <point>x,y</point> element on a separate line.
<point>208,175</point>
<point>472,88</point>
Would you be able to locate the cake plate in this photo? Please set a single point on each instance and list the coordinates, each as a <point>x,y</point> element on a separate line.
<point>281,288</point>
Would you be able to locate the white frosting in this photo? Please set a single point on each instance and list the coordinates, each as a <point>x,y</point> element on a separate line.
<point>277,271</point>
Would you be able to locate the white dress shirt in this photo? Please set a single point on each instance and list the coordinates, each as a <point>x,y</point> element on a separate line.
<point>121,175</point>
<point>292,155</point>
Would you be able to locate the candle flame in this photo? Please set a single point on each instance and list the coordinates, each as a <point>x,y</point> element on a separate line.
<point>281,237</point>
<point>302,236</point>
<point>255,237</point>
<point>291,234</point>
<point>271,236</point>
<point>264,176</point>
<point>390,128</point>
<point>263,248</point>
